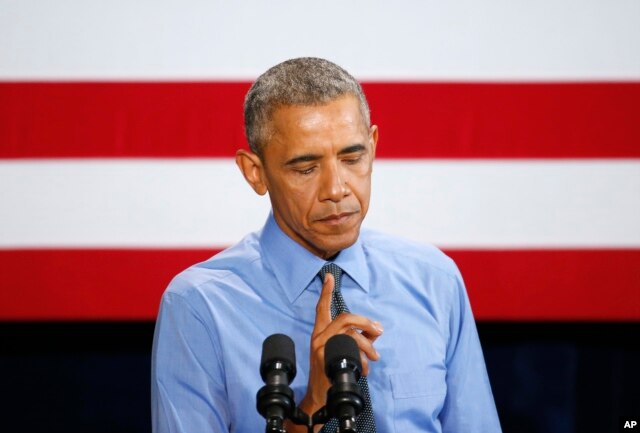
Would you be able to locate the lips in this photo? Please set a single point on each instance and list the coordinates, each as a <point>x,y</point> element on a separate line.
<point>336,219</point>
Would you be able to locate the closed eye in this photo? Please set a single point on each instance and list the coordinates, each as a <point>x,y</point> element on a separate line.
<point>305,170</point>
<point>354,160</point>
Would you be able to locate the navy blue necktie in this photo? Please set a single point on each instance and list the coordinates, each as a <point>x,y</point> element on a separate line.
<point>365,423</point>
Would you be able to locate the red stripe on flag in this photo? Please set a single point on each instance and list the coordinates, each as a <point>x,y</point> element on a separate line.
<point>423,120</point>
<point>76,284</point>
<point>552,284</point>
<point>503,285</point>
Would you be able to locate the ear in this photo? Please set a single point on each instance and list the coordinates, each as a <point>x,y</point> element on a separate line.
<point>373,137</point>
<point>252,169</point>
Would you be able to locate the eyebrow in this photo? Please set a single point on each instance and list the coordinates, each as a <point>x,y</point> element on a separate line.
<point>352,149</point>
<point>303,158</point>
<point>308,157</point>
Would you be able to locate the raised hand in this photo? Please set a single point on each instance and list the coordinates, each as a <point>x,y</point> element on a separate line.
<point>362,329</point>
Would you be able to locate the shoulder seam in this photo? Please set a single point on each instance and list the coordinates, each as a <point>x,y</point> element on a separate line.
<point>451,273</point>
<point>226,273</point>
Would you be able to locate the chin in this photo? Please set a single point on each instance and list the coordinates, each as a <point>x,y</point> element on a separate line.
<point>340,242</point>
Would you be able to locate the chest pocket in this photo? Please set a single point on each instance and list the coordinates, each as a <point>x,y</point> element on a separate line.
<point>418,398</point>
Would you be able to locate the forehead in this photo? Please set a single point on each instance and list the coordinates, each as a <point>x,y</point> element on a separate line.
<point>338,122</point>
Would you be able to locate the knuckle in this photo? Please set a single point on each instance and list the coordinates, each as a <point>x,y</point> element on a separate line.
<point>344,318</point>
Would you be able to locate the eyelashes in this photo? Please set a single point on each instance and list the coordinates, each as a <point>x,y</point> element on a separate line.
<point>308,170</point>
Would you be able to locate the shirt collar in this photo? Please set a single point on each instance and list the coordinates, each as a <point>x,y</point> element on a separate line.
<point>295,267</point>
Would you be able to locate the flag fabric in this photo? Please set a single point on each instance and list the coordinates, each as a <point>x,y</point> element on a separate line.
<point>509,137</point>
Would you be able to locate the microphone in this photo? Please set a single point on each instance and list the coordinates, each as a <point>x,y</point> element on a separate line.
<point>275,400</point>
<point>343,367</point>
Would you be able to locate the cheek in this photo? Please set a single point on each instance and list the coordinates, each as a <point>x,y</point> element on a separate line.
<point>298,202</point>
<point>286,192</point>
<point>362,189</point>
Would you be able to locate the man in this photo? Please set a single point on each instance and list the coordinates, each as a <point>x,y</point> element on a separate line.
<point>312,149</point>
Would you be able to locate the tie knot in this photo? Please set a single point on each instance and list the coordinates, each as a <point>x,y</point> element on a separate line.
<point>333,269</point>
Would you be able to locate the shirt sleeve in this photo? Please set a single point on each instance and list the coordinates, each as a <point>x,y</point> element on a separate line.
<point>469,405</point>
<point>188,394</point>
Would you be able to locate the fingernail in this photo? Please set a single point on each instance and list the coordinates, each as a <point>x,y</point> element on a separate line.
<point>378,326</point>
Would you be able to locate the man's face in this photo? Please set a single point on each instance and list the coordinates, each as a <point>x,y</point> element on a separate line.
<point>317,169</point>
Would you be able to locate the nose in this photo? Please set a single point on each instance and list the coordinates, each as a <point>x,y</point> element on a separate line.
<point>334,185</point>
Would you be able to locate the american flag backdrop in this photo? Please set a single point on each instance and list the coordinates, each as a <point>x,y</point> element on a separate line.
<point>509,137</point>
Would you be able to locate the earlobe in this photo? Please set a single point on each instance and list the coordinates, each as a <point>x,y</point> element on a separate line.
<point>251,167</point>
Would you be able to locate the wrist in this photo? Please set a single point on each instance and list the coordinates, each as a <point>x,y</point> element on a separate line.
<point>310,405</point>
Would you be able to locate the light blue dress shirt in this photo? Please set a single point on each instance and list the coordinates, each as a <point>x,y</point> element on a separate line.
<point>215,315</point>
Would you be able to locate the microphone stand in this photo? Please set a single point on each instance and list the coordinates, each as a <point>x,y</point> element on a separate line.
<point>346,422</point>
<point>275,403</point>
<point>344,402</point>
<point>298,416</point>
<point>320,417</point>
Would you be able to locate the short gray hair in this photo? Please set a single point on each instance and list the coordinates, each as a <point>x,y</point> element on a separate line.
<point>301,81</point>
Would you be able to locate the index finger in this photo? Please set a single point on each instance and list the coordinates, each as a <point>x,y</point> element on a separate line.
<point>323,308</point>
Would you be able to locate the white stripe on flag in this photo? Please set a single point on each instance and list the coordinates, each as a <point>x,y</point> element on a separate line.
<point>205,202</point>
<point>403,40</point>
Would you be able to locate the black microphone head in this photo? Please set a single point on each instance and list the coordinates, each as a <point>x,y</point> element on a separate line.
<point>278,348</point>
<point>341,347</point>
